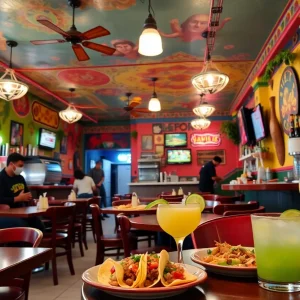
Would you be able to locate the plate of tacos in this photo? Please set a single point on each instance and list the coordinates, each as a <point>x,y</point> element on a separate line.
<point>150,276</point>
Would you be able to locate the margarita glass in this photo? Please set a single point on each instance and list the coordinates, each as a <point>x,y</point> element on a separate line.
<point>277,248</point>
<point>178,220</point>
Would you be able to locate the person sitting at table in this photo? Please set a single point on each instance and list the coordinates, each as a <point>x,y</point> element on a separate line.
<point>15,193</point>
<point>84,186</point>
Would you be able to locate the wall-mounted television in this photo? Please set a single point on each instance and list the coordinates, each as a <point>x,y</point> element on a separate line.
<point>175,140</point>
<point>258,123</point>
<point>246,127</point>
<point>179,156</point>
<point>47,139</point>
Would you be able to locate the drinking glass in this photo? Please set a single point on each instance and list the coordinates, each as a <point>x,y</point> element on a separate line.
<point>178,220</point>
<point>277,248</point>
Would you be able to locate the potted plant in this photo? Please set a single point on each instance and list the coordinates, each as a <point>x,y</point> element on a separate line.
<point>230,129</point>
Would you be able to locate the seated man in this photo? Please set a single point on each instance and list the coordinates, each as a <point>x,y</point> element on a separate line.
<point>14,192</point>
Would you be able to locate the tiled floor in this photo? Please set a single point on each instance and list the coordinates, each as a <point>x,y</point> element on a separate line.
<point>41,286</point>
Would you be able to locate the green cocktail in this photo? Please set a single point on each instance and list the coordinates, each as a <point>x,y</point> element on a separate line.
<point>277,248</point>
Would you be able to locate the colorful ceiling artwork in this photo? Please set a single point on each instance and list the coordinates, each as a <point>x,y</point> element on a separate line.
<point>102,80</point>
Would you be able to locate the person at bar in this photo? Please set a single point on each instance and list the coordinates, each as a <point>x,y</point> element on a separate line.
<point>208,175</point>
<point>14,192</point>
<point>84,186</point>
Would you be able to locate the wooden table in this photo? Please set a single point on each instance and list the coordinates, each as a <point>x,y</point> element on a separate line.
<point>60,202</point>
<point>22,212</point>
<point>214,288</point>
<point>150,222</point>
<point>17,261</point>
<point>115,211</point>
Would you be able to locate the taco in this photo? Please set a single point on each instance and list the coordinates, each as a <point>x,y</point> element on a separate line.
<point>172,274</point>
<point>150,270</point>
<point>126,273</point>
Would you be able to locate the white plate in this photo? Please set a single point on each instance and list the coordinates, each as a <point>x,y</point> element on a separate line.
<point>223,270</point>
<point>90,278</point>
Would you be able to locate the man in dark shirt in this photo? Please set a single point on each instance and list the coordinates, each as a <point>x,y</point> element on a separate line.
<point>14,192</point>
<point>208,175</point>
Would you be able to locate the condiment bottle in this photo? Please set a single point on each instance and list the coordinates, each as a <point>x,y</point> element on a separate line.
<point>173,193</point>
<point>134,200</point>
<point>180,191</point>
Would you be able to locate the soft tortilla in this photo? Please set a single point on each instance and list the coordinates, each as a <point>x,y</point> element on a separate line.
<point>144,273</point>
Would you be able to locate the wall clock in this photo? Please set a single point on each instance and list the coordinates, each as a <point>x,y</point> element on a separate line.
<point>288,97</point>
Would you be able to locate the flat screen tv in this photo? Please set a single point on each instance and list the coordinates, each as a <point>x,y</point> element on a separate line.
<point>258,123</point>
<point>47,139</point>
<point>175,140</point>
<point>179,156</point>
<point>246,127</point>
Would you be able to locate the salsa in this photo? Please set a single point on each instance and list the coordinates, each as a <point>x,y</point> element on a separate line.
<point>152,269</point>
<point>172,272</point>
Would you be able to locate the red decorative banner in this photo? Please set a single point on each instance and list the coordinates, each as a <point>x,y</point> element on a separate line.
<point>205,139</point>
<point>45,115</point>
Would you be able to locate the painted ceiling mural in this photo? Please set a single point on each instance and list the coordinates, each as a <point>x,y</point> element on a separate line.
<point>101,81</point>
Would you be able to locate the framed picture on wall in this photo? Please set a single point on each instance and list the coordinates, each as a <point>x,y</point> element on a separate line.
<point>204,156</point>
<point>157,128</point>
<point>159,150</point>
<point>147,142</point>
<point>16,134</point>
<point>63,145</point>
<point>158,139</point>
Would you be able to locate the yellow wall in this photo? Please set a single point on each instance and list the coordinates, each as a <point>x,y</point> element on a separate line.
<point>262,96</point>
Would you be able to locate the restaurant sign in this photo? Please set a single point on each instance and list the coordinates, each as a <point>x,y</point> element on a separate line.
<point>205,139</point>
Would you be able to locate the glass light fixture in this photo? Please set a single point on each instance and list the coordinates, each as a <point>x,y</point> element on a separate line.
<point>201,123</point>
<point>10,87</point>
<point>71,114</point>
<point>150,43</point>
<point>154,103</point>
<point>210,80</point>
<point>204,109</point>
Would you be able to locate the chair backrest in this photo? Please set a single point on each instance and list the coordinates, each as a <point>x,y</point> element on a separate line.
<point>26,235</point>
<point>119,196</point>
<point>171,198</point>
<point>211,203</point>
<point>235,230</point>
<point>96,214</point>
<point>4,207</point>
<point>127,196</point>
<point>121,202</point>
<point>51,198</point>
<point>115,199</point>
<point>125,226</point>
<point>94,200</point>
<point>221,208</point>
<point>224,199</point>
<point>202,193</point>
<point>261,209</point>
<point>61,215</point>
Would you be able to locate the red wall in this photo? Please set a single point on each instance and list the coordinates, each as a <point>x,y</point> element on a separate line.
<point>231,151</point>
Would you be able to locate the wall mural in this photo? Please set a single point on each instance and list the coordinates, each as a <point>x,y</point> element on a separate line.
<point>107,141</point>
<point>21,106</point>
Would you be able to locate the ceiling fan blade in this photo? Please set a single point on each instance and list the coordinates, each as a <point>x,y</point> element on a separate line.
<point>44,21</point>
<point>41,42</point>
<point>142,110</point>
<point>134,114</point>
<point>134,103</point>
<point>80,53</point>
<point>96,32</point>
<point>100,48</point>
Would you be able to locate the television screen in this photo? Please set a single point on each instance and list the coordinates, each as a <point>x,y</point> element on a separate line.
<point>258,123</point>
<point>47,139</point>
<point>246,126</point>
<point>175,140</point>
<point>179,156</point>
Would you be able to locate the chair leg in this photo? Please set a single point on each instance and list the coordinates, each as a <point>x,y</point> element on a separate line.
<point>99,254</point>
<point>47,266</point>
<point>93,230</point>
<point>54,270</point>
<point>118,253</point>
<point>79,235</point>
<point>69,259</point>
<point>149,241</point>
<point>84,239</point>
<point>26,284</point>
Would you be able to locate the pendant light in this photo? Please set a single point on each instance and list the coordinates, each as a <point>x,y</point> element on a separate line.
<point>204,109</point>
<point>10,87</point>
<point>150,43</point>
<point>154,103</point>
<point>200,124</point>
<point>71,114</point>
<point>210,80</point>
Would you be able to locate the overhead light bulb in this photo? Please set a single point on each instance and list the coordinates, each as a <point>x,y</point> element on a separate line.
<point>201,123</point>
<point>154,104</point>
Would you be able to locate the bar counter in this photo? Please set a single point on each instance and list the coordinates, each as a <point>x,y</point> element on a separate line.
<point>274,196</point>
<point>57,191</point>
<point>152,189</point>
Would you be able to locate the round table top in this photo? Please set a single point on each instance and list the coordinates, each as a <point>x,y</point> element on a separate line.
<point>149,222</point>
<point>214,288</point>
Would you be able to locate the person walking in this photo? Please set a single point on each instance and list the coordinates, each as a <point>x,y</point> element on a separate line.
<point>98,176</point>
<point>208,175</point>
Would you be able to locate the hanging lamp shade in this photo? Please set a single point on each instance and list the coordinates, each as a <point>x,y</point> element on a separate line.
<point>154,103</point>
<point>70,115</point>
<point>210,80</point>
<point>10,87</point>
<point>150,43</point>
<point>204,110</point>
<point>201,123</point>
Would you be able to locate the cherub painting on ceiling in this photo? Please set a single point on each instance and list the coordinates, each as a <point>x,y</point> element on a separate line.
<point>125,48</point>
<point>192,28</point>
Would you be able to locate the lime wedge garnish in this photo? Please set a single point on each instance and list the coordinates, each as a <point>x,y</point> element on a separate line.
<point>156,202</point>
<point>290,213</point>
<point>196,199</point>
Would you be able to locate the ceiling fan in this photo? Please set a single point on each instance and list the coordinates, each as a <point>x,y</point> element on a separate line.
<point>76,37</point>
<point>131,105</point>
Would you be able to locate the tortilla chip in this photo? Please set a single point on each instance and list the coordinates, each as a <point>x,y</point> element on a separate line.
<point>144,273</point>
<point>164,258</point>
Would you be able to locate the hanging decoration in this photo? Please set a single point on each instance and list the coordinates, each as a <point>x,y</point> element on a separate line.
<point>154,103</point>
<point>204,109</point>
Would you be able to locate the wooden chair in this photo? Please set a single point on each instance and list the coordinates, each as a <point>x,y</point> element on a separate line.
<point>127,235</point>
<point>222,208</point>
<point>89,219</point>
<point>260,209</point>
<point>171,198</point>
<point>59,216</point>
<point>119,196</point>
<point>224,199</point>
<point>104,242</point>
<point>127,196</point>
<point>4,207</point>
<point>32,237</point>
<point>210,205</point>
